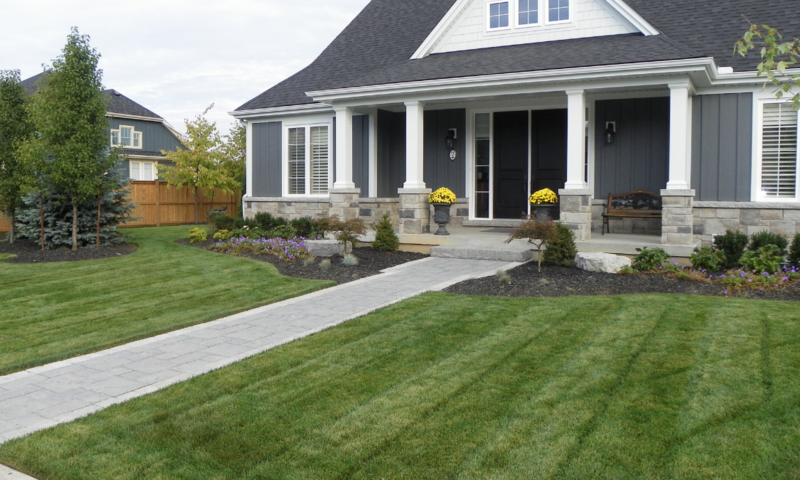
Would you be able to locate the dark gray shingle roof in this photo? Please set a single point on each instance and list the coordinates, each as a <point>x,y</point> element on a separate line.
<point>377,45</point>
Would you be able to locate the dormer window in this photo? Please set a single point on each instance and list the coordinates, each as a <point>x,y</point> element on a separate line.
<point>528,12</point>
<point>498,15</point>
<point>558,11</point>
<point>126,137</point>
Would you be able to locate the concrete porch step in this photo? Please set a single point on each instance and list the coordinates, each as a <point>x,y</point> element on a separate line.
<point>503,254</point>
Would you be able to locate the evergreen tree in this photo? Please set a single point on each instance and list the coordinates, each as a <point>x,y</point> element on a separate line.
<point>57,213</point>
<point>385,238</point>
<point>69,114</point>
<point>15,129</point>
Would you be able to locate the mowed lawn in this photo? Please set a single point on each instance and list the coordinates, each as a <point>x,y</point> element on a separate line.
<point>53,311</point>
<point>451,387</point>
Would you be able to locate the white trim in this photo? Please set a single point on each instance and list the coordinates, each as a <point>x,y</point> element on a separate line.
<point>285,126</point>
<point>134,117</point>
<point>488,16</point>
<point>630,15</point>
<point>591,107</point>
<point>281,111</point>
<point>441,28</point>
<point>758,126</point>
<point>154,166</point>
<point>118,131</point>
<point>373,154</point>
<point>249,158</point>
<point>144,157</point>
<point>518,25</point>
<point>570,12</point>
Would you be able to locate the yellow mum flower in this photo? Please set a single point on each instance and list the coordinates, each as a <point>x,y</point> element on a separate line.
<point>544,196</point>
<point>442,195</point>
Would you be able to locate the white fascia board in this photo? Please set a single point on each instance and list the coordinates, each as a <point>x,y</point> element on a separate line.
<point>280,111</point>
<point>134,117</point>
<point>441,28</point>
<point>144,157</point>
<point>630,15</point>
<point>703,66</point>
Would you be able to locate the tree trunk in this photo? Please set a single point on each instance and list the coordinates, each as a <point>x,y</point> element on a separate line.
<point>196,207</point>
<point>74,225</point>
<point>12,217</point>
<point>99,197</point>
<point>41,217</point>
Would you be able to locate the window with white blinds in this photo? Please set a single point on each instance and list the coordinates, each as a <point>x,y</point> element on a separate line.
<point>779,151</point>
<point>309,160</point>
<point>143,171</point>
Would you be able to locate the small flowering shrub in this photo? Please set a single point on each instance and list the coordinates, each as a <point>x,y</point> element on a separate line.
<point>442,195</point>
<point>543,196</point>
<point>285,250</point>
<point>650,259</point>
<point>197,235</point>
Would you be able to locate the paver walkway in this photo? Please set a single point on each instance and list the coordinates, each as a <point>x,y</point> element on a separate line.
<point>63,391</point>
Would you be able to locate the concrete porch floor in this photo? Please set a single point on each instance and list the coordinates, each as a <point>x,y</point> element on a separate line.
<point>483,239</point>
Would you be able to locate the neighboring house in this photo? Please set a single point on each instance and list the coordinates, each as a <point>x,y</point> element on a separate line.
<point>141,133</point>
<point>496,99</point>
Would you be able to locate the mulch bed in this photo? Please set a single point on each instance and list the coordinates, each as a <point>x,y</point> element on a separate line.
<point>554,281</point>
<point>29,251</point>
<point>370,262</point>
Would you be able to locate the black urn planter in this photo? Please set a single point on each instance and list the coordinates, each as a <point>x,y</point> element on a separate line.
<point>546,211</point>
<point>441,216</point>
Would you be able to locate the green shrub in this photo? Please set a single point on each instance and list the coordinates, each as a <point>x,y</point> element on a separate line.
<point>304,227</point>
<point>222,235</point>
<point>766,259</point>
<point>350,260</point>
<point>252,233</point>
<point>794,252</point>
<point>325,264</point>
<point>197,235</point>
<point>283,231</point>
<point>649,260</point>
<point>226,222</point>
<point>265,221</point>
<point>765,238</point>
<point>385,238</point>
<point>561,250</point>
<point>346,231</point>
<point>732,246</point>
<point>707,259</point>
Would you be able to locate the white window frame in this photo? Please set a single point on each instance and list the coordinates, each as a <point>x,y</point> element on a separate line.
<point>141,170</point>
<point>511,11</point>
<point>527,25</point>
<point>285,160</point>
<point>546,10</point>
<point>758,129</point>
<point>134,134</point>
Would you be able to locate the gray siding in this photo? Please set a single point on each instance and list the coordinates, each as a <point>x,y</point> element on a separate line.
<point>267,155</point>
<point>439,170</point>
<point>639,157</point>
<point>155,136</point>
<point>391,152</point>
<point>361,153</point>
<point>722,146</point>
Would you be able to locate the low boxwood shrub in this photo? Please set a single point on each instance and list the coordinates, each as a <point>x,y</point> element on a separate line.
<point>764,238</point>
<point>732,246</point>
<point>650,259</point>
<point>794,252</point>
<point>266,221</point>
<point>197,235</point>
<point>226,222</point>
<point>561,250</point>
<point>304,227</point>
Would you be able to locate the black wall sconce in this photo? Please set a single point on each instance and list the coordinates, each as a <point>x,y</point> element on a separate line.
<point>611,132</point>
<point>450,142</point>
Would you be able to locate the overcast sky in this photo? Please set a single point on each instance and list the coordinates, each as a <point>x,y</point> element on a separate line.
<point>176,57</point>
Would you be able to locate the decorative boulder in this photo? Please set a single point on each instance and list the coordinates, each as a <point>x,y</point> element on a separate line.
<point>601,262</point>
<point>326,248</point>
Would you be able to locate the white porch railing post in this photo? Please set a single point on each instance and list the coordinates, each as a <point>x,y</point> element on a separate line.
<point>576,140</point>
<point>680,136</point>
<point>415,122</point>
<point>344,149</point>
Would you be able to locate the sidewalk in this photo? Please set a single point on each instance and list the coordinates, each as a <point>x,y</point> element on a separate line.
<point>60,392</point>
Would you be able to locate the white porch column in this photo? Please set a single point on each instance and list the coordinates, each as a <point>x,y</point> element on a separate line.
<point>344,149</point>
<point>680,136</point>
<point>576,140</point>
<point>415,121</point>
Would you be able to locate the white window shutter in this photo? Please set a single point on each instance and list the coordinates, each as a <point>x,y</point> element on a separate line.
<point>779,151</point>
<point>319,160</point>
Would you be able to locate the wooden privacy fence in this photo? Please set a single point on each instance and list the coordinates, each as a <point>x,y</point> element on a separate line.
<point>159,204</point>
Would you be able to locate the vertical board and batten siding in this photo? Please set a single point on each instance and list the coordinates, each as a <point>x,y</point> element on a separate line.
<point>391,152</point>
<point>155,136</point>
<point>439,170</point>
<point>267,161</point>
<point>722,143</point>
<point>639,157</point>
<point>361,153</point>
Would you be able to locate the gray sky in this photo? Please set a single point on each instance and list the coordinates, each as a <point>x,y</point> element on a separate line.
<point>176,57</point>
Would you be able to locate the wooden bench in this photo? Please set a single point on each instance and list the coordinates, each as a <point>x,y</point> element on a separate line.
<point>633,204</point>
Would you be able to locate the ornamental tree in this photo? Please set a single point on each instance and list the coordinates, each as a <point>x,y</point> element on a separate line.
<point>234,154</point>
<point>69,113</point>
<point>776,58</point>
<point>16,128</point>
<point>201,163</point>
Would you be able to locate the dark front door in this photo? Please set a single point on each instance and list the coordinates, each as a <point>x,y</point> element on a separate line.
<point>510,164</point>
<point>548,149</point>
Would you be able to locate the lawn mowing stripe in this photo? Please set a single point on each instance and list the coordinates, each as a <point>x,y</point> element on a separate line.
<point>467,422</point>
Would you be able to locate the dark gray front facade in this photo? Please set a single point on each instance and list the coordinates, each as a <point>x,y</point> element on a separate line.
<point>267,159</point>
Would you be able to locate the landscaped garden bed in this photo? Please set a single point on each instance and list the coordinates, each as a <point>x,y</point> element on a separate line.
<point>29,251</point>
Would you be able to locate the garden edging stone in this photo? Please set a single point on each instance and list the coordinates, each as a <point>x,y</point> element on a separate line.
<point>601,262</point>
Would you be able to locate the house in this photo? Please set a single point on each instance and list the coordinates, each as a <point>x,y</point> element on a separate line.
<point>140,133</point>
<point>496,99</point>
